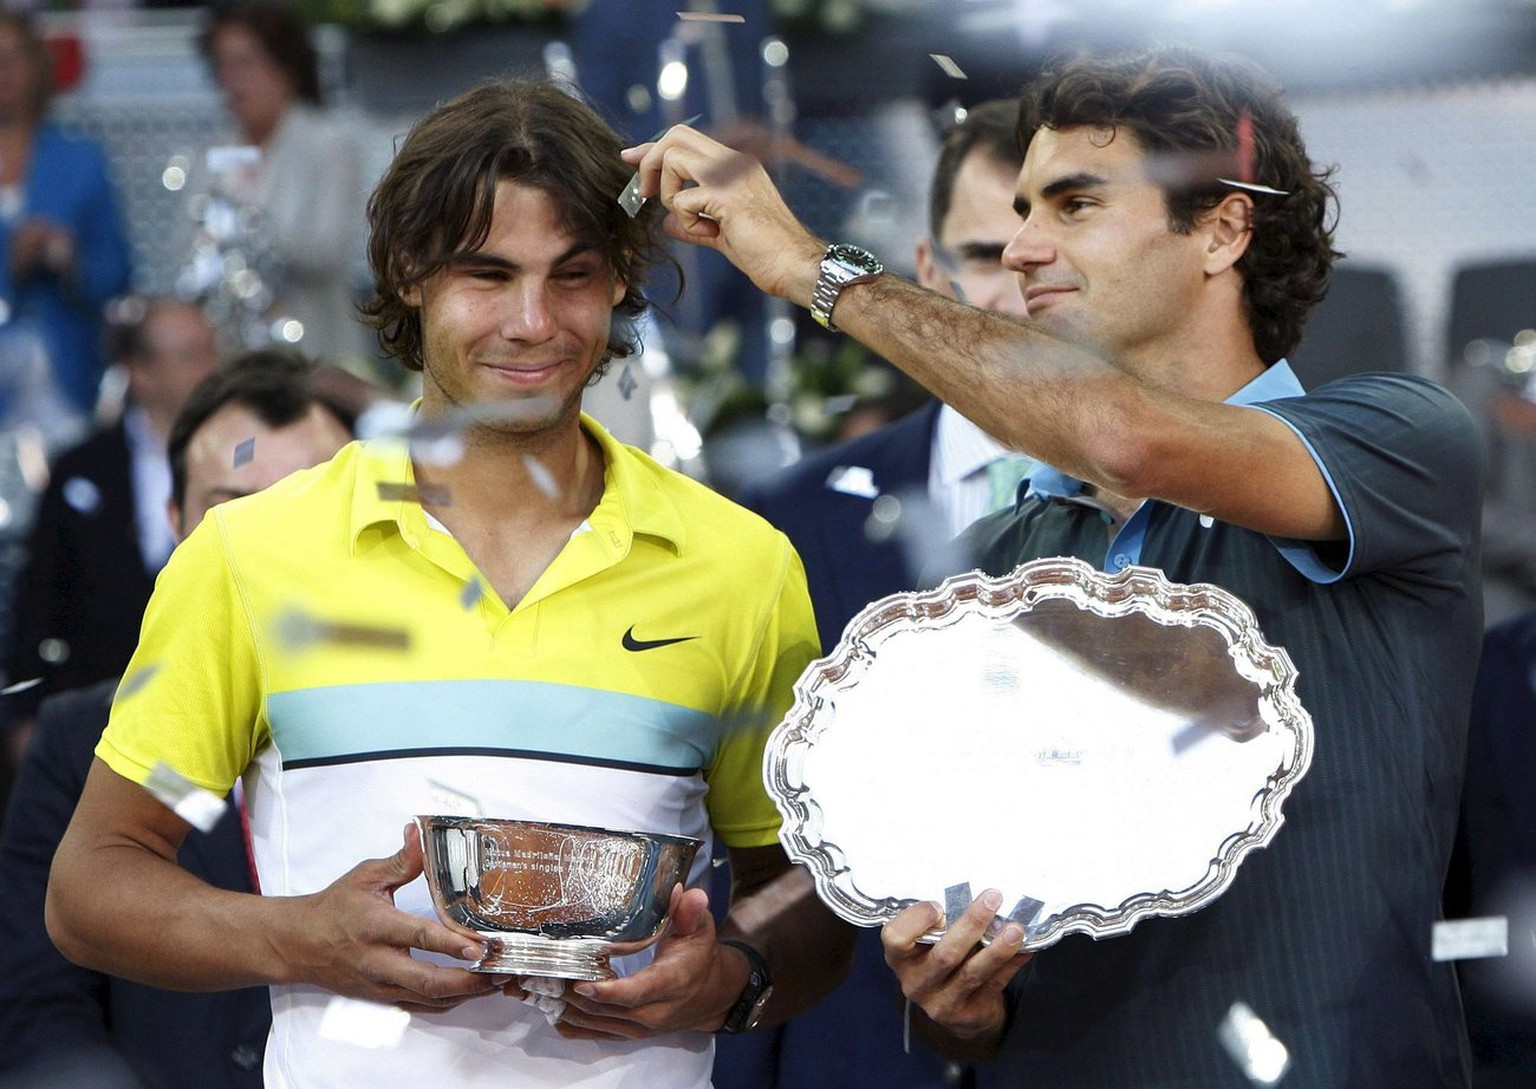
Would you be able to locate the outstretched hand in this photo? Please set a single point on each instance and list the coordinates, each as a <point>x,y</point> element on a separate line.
<point>689,984</point>
<point>351,939</point>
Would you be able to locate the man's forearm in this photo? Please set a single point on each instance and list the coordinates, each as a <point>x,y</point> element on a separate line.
<point>194,938</point>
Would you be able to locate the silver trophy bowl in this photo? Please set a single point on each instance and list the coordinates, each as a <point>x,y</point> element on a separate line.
<point>555,900</point>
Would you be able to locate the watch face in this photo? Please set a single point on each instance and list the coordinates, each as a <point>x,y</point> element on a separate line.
<point>856,257</point>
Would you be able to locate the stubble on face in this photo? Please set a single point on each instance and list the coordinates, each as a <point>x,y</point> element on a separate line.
<point>513,333</point>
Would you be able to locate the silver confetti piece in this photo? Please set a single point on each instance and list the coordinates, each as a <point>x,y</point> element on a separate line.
<point>245,451</point>
<point>627,383</point>
<point>430,494</point>
<point>1262,1058</point>
<point>1253,187</point>
<point>1470,939</point>
<point>951,69</point>
<point>629,198</point>
<point>198,807</point>
<point>956,899</point>
<point>1026,910</point>
<point>542,478</point>
<point>299,631</point>
<point>710,17</point>
<point>20,686</point>
<point>134,682</point>
<point>473,590</point>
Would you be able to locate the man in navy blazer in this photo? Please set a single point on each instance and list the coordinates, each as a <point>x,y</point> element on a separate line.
<point>65,1026</point>
<point>100,534</point>
<point>868,517</point>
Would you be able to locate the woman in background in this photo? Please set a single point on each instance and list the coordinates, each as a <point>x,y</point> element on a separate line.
<point>307,182</point>
<point>66,250</point>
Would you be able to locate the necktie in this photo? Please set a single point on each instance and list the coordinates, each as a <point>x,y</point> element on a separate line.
<point>1003,476</point>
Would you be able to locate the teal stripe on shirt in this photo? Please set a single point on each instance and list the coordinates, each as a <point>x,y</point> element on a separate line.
<point>336,723</point>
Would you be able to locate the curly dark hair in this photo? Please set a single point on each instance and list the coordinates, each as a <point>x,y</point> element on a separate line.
<point>1183,106</point>
<point>435,201</point>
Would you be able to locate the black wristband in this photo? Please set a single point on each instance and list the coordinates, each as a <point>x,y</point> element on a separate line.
<point>748,1009</point>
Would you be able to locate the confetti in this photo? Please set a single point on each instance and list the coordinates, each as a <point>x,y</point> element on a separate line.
<point>299,631</point>
<point>629,197</point>
<point>244,452</point>
<point>922,532</point>
<point>198,807</point>
<point>542,478</point>
<point>20,686</point>
<point>956,899</point>
<point>1470,939</point>
<point>627,383</point>
<point>1252,1046</point>
<point>232,157</point>
<point>385,419</point>
<point>1251,187</point>
<point>473,591</point>
<point>435,495</point>
<point>134,682</point>
<point>951,69</point>
<point>710,17</point>
<point>446,799</point>
<point>854,480</point>
<point>1190,736</point>
<point>1026,910</point>
<point>363,1024</point>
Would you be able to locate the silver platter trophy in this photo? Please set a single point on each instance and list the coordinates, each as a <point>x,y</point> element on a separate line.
<point>1100,748</point>
<point>552,900</point>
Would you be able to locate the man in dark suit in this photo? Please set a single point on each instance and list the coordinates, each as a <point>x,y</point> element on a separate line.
<point>865,516</point>
<point>65,1026</point>
<point>100,534</point>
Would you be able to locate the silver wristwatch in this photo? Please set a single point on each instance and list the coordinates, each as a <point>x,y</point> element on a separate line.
<point>841,265</point>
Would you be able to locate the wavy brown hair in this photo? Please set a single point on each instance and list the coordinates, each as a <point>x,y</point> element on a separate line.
<point>1185,107</point>
<point>434,203</point>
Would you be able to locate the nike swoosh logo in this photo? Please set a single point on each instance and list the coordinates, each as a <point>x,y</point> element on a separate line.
<point>631,643</point>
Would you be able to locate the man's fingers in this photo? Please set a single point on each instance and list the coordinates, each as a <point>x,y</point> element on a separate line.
<point>432,937</point>
<point>900,935</point>
<point>690,912</point>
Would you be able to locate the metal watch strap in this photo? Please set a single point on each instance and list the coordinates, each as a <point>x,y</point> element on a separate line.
<point>840,266</point>
<point>744,1013</point>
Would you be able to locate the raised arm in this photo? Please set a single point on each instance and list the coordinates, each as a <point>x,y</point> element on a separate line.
<point>1064,404</point>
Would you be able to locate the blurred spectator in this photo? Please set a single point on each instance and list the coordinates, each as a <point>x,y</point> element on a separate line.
<point>306,185</point>
<point>1494,869</point>
<point>66,249</point>
<point>100,533</point>
<point>67,1027</point>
